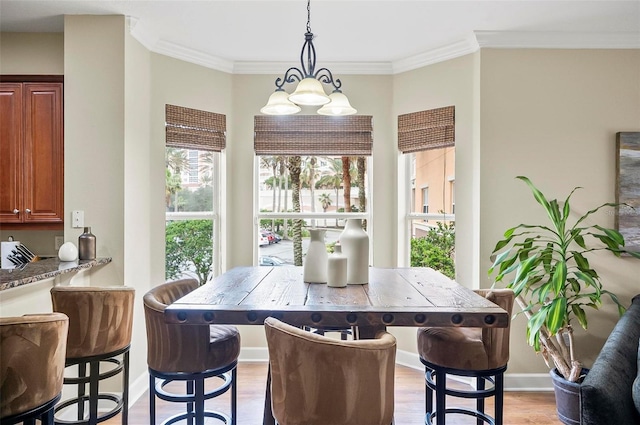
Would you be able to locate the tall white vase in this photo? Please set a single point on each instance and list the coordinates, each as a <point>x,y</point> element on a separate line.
<point>355,246</point>
<point>315,263</point>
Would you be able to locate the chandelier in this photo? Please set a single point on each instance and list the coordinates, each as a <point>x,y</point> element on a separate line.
<point>309,90</point>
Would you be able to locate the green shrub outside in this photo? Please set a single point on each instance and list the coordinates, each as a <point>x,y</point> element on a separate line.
<point>189,246</point>
<point>436,249</point>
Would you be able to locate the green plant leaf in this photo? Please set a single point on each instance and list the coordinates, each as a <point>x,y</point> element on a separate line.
<point>580,315</point>
<point>613,234</point>
<point>536,321</point>
<point>557,312</point>
<point>539,196</point>
<point>559,276</point>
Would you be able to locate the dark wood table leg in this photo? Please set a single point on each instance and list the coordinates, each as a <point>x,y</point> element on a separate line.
<point>268,418</point>
<point>369,332</point>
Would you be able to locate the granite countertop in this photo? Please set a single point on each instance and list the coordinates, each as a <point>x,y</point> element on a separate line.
<point>44,269</point>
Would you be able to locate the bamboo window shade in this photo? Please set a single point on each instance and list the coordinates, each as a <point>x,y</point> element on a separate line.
<point>313,135</point>
<point>424,130</point>
<point>188,128</point>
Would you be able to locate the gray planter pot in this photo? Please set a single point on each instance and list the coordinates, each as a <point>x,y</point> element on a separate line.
<point>567,398</point>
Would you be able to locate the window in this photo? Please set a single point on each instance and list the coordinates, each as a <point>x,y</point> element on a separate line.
<point>426,140</point>
<point>452,183</point>
<point>194,141</point>
<point>425,200</point>
<point>312,171</point>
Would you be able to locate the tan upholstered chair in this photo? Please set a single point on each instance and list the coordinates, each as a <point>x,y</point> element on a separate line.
<point>188,353</point>
<point>100,324</point>
<point>481,353</point>
<point>316,380</point>
<point>32,350</point>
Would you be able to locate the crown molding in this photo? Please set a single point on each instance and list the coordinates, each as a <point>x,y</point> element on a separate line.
<point>557,40</point>
<point>371,68</point>
<point>439,54</point>
<point>476,40</point>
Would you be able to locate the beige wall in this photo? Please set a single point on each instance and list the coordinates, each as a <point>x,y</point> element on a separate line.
<point>31,53</point>
<point>552,115</point>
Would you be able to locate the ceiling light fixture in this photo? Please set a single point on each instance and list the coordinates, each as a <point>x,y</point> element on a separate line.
<point>309,90</point>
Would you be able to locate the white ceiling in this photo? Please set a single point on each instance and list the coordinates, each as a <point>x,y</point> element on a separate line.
<point>361,36</point>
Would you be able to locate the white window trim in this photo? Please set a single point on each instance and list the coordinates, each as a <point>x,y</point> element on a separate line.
<point>406,217</point>
<point>209,215</point>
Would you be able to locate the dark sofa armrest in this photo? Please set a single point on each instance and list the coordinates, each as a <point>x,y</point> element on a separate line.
<point>605,394</point>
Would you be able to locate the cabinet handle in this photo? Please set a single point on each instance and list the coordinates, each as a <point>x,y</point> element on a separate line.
<point>16,211</point>
<point>28,211</point>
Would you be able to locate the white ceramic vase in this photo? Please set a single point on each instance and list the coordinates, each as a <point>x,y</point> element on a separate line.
<point>315,262</point>
<point>337,268</point>
<point>355,246</point>
<point>68,252</point>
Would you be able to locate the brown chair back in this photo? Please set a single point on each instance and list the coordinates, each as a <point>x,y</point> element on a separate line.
<point>32,357</point>
<point>100,318</point>
<point>173,347</point>
<point>496,340</point>
<point>316,380</point>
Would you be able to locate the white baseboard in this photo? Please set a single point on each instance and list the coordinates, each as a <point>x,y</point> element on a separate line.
<point>512,381</point>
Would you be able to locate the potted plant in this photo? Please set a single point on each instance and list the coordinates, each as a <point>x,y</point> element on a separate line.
<point>554,283</point>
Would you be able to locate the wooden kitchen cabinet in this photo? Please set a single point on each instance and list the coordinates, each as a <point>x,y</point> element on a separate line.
<point>31,155</point>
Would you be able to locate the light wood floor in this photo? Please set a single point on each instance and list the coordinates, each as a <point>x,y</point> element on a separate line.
<point>520,408</point>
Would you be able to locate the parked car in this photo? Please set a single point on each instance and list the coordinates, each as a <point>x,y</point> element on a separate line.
<point>268,235</point>
<point>262,240</point>
<point>271,260</point>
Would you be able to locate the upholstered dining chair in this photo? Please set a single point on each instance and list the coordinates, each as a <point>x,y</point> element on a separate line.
<point>480,353</point>
<point>317,380</point>
<point>100,325</point>
<point>32,353</point>
<point>190,354</point>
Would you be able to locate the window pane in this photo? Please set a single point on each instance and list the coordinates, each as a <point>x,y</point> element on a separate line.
<point>432,191</point>
<point>190,216</point>
<point>433,245</point>
<point>189,249</point>
<point>331,185</point>
<point>189,180</point>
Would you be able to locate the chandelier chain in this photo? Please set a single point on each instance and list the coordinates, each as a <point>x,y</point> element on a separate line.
<point>308,15</point>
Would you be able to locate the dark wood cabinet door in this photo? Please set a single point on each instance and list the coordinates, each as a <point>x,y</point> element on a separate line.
<point>31,154</point>
<point>43,153</point>
<point>11,152</point>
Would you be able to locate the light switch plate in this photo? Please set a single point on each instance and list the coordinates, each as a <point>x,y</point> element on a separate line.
<point>77,219</point>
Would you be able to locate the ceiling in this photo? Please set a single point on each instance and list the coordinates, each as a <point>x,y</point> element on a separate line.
<point>360,36</point>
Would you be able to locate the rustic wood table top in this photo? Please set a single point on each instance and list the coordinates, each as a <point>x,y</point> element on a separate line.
<point>393,297</point>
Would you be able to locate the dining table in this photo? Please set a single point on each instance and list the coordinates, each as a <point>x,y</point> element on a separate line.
<point>409,296</point>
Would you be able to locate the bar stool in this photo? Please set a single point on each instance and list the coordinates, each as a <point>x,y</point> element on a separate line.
<point>32,351</point>
<point>480,353</point>
<point>100,324</point>
<point>190,354</point>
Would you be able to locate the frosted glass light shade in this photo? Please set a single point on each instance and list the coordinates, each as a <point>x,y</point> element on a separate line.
<point>279,104</point>
<point>309,92</point>
<point>339,105</point>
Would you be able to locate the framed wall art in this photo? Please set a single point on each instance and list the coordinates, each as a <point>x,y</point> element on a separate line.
<point>628,188</point>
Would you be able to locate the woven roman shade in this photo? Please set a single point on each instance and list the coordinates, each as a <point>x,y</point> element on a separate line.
<point>188,128</point>
<point>313,135</point>
<point>432,129</point>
